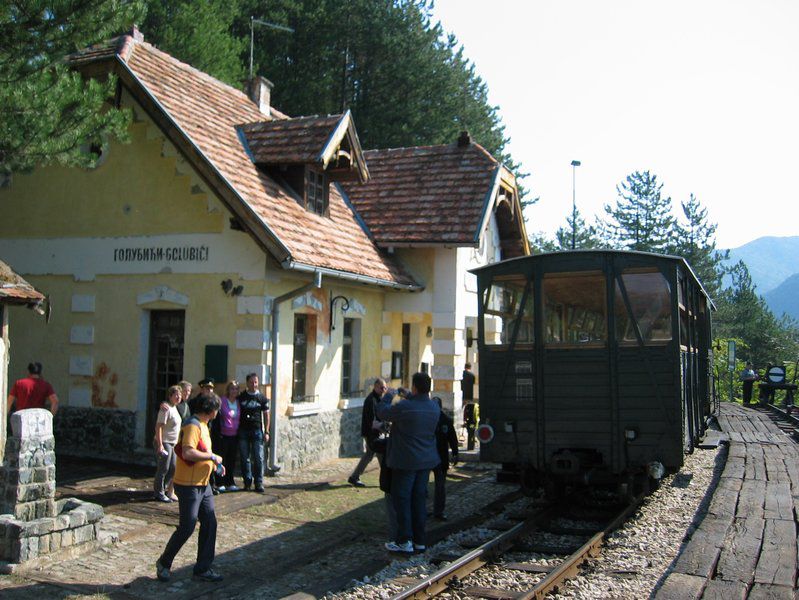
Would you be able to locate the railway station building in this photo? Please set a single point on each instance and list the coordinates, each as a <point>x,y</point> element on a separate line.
<point>226,238</point>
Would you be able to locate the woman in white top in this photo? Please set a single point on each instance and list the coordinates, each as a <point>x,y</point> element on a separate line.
<point>167,429</point>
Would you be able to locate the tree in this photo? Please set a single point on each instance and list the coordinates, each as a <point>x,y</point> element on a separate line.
<point>577,235</point>
<point>641,219</point>
<point>51,114</point>
<point>199,33</point>
<point>695,240</point>
<point>744,315</point>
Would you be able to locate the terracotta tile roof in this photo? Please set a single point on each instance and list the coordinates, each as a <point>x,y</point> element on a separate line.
<point>14,289</point>
<point>208,112</point>
<point>423,195</point>
<point>290,141</point>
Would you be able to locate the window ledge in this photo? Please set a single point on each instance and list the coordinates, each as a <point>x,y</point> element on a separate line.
<point>303,409</point>
<point>354,402</point>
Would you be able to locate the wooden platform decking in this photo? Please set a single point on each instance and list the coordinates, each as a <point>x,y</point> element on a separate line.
<point>746,544</point>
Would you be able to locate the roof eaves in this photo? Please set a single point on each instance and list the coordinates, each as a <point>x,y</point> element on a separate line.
<point>292,265</point>
<point>487,201</point>
<point>286,254</point>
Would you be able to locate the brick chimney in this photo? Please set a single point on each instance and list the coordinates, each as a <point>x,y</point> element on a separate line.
<point>259,89</point>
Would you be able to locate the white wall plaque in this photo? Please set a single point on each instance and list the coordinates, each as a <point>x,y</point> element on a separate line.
<point>81,334</point>
<point>81,365</point>
<point>386,342</point>
<point>253,339</point>
<point>82,303</point>
<point>80,396</point>
<point>243,370</point>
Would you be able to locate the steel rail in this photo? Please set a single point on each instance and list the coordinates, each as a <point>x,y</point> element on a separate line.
<point>468,563</point>
<point>592,548</point>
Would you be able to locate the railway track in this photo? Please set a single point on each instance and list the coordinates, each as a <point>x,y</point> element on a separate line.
<point>533,536</point>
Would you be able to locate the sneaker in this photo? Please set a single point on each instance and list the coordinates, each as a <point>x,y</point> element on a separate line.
<point>356,482</point>
<point>161,571</point>
<point>406,548</point>
<point>210,576</point>
<point>247,485</point>
<point>215,491</point>
<point>419,547</point>
<point>222,489</point>
<point>173,497</point>
<point>162,498</point>
<point>233,488</point>
<point>259,488</point>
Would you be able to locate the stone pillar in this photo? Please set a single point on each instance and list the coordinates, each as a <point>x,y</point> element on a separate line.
<point>28,475</point>
<point>448,352</point>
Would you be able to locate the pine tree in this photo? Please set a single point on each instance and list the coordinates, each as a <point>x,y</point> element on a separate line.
<point>743,314</point>
<point>577,234</point>
<point>641,219</point>
<point>50,113</point>
<point>695,240</point>
<point>199,33</point>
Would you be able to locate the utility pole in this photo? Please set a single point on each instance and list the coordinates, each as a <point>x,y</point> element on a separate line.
<point>575,164</point>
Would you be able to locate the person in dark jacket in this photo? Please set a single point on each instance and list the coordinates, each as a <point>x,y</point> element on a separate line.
<point>446,440</point>
<point>411,454</point>
<point>368,431</point>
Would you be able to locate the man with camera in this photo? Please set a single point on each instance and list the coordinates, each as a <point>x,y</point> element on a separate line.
<point>369,431</point>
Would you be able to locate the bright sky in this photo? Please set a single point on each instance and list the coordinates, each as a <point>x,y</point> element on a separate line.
<point>703,93</point>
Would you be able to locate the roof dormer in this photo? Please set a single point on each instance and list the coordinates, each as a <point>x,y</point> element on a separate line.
<point>307,154</point>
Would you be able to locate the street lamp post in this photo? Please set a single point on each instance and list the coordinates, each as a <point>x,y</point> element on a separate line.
<point>575,164</point>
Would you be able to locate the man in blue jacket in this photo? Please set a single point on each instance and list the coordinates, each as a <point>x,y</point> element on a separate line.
<point>410,455</point>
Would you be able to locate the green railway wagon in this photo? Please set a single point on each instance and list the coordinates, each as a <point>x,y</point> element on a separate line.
<point>595,365</point>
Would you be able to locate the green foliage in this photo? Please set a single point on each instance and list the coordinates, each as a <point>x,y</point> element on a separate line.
<point>50,114</point>
<point>641,219</point>
<point>578,234</point>
<point>744,315</point>
<point>694,239</point>
<point>199,32</point>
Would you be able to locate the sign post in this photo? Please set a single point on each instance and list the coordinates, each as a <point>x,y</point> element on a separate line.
<point>731,366</point>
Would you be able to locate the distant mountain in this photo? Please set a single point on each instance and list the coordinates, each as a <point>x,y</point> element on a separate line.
<point>785,297</point>
<point>770,260</point>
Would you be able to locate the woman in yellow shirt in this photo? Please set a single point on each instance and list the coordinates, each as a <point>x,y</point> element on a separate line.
<point>195,463</point>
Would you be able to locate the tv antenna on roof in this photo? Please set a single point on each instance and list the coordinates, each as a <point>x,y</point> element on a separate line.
<point>253,22</point>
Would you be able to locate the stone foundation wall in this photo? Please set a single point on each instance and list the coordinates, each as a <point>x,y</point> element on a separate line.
<point>318,437</point>
<point>96,432</point>
<point>76,522</point>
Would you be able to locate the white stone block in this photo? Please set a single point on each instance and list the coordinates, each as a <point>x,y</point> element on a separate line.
<point>446,372</point>
<point>385,370</point>
<point>444,347</point>
<point>444,320</point>
<point>32,422</point>
<point>81,365</point>
<point>82,303</point>
<point>80,396</point>
<point>262,370</point>
<point>253,339</point>
<point>355,307</point>
<point>81,334</point>
<point>254,305</point>
<point>386,342</point>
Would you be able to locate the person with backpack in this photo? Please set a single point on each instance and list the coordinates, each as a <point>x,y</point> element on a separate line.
<point>195,463</point>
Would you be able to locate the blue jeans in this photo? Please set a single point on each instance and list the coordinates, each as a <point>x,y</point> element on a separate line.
<point>409,494</point>
<point>251,448</point>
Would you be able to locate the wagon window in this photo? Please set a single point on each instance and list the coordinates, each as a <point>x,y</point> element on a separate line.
<point>574,308</point>
<point>650,300</point>
<point>503,310</point>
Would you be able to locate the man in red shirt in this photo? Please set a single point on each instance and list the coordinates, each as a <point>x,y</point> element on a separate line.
<point>33,391</point>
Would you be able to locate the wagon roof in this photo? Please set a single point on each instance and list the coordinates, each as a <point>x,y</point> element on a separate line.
<point>547,256</point>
